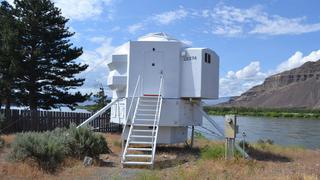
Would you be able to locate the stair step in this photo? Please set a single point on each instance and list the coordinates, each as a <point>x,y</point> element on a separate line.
<point>147,105</point>
<point>149,100</point>
<point>136,163</point>
<point>140,136</point>
<point>142,130</point>
<point>150,97</point>
<point>145,119</point>
<point>144,125</point>
<point>140,149</point>
<point>139,155</point>
<point>140,142</point>
<point>151,110</point>
<point>138,114</point>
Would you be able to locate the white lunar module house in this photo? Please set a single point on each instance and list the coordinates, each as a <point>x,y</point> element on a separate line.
<point>158,83</point>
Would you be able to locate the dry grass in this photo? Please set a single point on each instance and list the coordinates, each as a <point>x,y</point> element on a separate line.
<point>178,162</point>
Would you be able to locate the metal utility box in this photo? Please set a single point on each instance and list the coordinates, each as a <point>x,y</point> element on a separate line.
<point>231,127</point>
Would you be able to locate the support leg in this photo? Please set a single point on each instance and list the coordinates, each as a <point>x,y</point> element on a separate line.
<point>192,136</point>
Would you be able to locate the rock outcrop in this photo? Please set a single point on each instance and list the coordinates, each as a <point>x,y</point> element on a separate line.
<point>296,88</point>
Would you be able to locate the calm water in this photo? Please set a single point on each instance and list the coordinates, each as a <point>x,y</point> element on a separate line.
<point>288,132</point>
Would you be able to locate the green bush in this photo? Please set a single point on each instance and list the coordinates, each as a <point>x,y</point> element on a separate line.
<point>49,149</point>
<point>84,142</point>
<point>44,148</point>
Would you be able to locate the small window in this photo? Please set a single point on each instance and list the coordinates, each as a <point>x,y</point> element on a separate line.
<point>209,58</point>
<point>153,49</point>
<point>205,57</point>
<point>153,64</point>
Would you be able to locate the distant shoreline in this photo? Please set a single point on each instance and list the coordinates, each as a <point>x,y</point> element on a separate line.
<point>265,112</point>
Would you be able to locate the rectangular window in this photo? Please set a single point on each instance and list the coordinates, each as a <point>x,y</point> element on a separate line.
<point>205,57</point>
<point>209,58</point>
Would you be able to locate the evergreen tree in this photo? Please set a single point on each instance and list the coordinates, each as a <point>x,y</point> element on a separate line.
<point>10,52</point>
<point>100,99</point>
<point>48,61</point>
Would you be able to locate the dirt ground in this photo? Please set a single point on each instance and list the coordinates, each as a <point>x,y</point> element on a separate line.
<point>177,162</point>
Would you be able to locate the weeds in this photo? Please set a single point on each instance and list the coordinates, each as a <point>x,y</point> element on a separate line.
<point>212,152</point>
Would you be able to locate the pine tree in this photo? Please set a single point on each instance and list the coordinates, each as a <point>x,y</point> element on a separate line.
<point>49,66</point>
<point>10,52</point>
<point>100,99</point>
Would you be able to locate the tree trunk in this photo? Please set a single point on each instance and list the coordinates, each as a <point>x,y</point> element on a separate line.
<point>33,108</point>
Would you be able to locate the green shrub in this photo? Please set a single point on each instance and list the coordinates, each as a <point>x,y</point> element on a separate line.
<point>84,142</point>
<point>212,152</point>
<point>44,148</point>
<point>49,149</point>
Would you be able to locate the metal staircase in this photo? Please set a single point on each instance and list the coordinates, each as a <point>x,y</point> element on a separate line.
<point>141,143</point>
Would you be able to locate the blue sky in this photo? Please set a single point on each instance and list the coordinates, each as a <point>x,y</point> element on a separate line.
<point>254,39</point>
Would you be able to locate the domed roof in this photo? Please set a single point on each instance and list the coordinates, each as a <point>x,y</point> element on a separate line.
<point>158,36</point>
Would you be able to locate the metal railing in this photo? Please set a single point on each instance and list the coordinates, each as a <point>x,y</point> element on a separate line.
<point>157,119</point>
<point>129,111</point>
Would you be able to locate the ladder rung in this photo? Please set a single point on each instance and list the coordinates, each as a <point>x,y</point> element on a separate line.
<point>137,163</point>
<point>139,155</point>
<point>140,142</point>
<point>140,149</point>
<point>140,136</point>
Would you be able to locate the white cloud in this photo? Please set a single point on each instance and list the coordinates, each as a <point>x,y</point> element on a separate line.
<point>164,18</point>
<point>232,21</point>
<point>99,39</point>
<point>168,17</point>
<point>84,9</point>
<point>235,83</point>
<point>135,27</point>
<point>251,70</point>
<point>297,59</point>
<point>187,42</point>
<point>97,71</point>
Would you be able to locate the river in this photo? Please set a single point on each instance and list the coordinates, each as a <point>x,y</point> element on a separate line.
<point>283,131</point>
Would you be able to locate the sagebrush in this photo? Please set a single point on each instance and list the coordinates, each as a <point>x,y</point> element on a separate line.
<point>49,149</point>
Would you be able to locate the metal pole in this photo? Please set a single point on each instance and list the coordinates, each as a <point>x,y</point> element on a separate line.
<point>192,136</point>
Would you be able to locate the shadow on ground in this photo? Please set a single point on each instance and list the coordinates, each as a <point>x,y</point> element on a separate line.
<point>261,155</point>
<point>171,156</point>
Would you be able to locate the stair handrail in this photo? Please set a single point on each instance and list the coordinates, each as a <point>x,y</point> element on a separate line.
<point>129,110</point>
<point>98,113</point>
<point>157,119</point>
<point>132,100</point>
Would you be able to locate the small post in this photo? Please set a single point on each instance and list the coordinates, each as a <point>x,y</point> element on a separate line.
<point>231,129</point>
<point>192,136</point>
<point>244,142</point>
